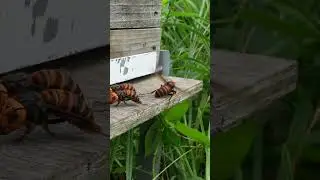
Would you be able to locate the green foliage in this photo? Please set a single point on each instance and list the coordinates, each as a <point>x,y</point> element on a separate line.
<point>153,137</point>
<point>186,33</point>
<point>283,28</point>
<point>230,149</point>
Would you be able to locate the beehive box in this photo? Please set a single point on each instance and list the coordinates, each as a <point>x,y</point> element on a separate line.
<point>36,31</point>
<point>135,52</point>
<point>134,38</point>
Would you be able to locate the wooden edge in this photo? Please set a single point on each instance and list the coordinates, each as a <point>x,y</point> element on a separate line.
<point>154,109</point>
<point>236,108</point>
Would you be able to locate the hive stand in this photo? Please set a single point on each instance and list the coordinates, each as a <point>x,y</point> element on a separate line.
<point>246,83</point>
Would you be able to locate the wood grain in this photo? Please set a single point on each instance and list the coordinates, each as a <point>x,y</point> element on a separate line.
<point>72,154</point>
<point>124,117</point>
<point>248,83</point>
<point>126,14</point>
<point>126,42</point>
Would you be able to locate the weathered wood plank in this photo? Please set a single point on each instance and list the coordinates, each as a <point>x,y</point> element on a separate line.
<point>72,154</point>
<point>125,117</point>
<point>126,14</point>
<point>248,83</point>
<point>128,42</point>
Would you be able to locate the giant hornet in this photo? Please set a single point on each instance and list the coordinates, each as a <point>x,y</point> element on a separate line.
<point>123,86</point>
<point>71,107</point>
<point>168,88</point>
<point>28,99</point>
<point>123,96</point>
<point>40,80</point>
<point>32,108</point>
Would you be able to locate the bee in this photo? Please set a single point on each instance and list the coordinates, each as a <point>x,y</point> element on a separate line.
<point>113,97</point>
<point>123,86</point>
<point>126,95</point>
<point>71,107</point>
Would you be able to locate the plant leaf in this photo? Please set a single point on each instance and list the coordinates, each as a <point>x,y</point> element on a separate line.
<point>175,113</point>
<point>230,148</point>
<point>170,138</point>
<point>153,137</point>
<point>192,133</point>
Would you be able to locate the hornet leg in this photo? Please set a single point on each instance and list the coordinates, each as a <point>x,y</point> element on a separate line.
<point>118,103</point>
<point>29,128</point>
<point>56,120</point>
<point>82,124</point>
<point>173,92</point>
<point>46,128</point>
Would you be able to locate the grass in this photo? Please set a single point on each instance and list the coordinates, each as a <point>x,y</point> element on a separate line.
<point>179,138</point>
<point>280,147</point>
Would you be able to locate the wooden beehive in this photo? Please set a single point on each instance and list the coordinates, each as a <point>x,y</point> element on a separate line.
<point>134,51</point>
<point>134,38</point>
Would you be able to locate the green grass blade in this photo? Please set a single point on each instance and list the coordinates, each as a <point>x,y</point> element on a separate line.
<point>129,156</point>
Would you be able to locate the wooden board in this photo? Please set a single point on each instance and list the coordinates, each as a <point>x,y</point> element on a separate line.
<point>125,14</point>
<point>124,117</point>
<point>73,154</point>
<point>126,42</point>
<point>248,83</point>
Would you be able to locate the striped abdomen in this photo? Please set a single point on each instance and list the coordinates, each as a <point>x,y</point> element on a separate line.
<point>124,86</point>
<point>125,95</point>
<point>163,90</point>
<point>67,102</point>
<point>55,79</point>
